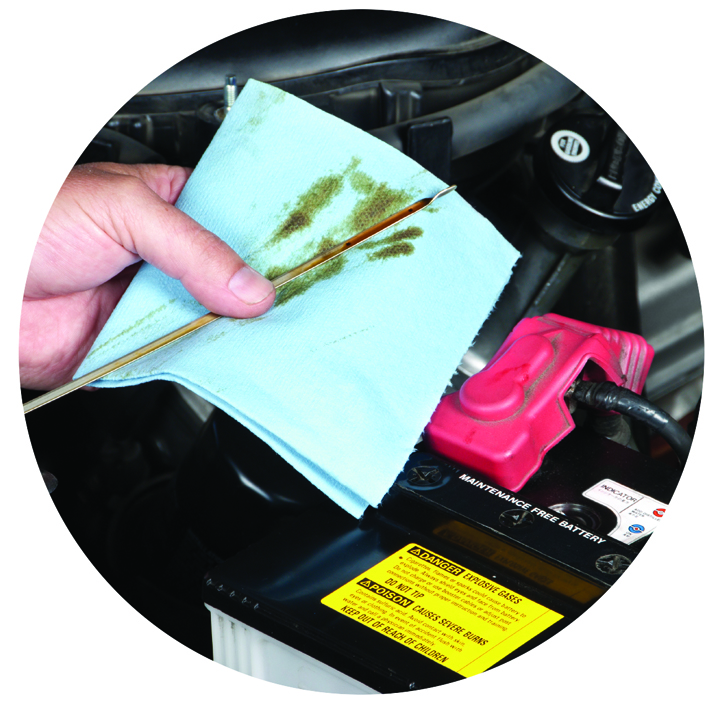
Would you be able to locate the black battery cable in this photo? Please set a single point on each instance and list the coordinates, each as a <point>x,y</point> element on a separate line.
<point>607,396</point>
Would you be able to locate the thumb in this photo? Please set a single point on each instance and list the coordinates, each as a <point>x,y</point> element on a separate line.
<point>180,247</point>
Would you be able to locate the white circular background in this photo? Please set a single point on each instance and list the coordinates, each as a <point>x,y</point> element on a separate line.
<point>67,68</point>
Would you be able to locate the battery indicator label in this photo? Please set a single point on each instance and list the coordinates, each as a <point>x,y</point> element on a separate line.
<point>440,609</point>
<point>637,514</point>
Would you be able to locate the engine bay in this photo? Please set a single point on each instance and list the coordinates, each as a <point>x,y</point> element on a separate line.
<point>171,500</point>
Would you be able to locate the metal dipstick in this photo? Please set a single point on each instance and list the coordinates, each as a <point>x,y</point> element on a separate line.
<point>208,318</point>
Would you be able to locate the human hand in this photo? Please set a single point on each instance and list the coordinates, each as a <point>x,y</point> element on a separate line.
<point>105,219</point>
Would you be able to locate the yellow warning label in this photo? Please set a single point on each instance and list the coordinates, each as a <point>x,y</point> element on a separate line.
<point>441,610</point>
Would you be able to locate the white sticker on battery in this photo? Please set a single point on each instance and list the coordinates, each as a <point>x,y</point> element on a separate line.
<point>637,514</point>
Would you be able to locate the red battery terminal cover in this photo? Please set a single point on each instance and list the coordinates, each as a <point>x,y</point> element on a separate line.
<point>506,417</point>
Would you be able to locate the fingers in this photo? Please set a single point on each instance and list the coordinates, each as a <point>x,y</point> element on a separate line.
<point>208,268</point>
<point>165,180</point>
<point>142,220</point>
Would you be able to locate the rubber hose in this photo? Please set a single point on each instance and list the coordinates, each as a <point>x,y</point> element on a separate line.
<point>606,396</point>
<point>492,117</point>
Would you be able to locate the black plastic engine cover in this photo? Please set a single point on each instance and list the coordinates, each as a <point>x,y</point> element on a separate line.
<point>316,43</point>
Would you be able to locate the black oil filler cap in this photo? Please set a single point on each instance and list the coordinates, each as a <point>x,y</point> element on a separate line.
<point>588,167</point>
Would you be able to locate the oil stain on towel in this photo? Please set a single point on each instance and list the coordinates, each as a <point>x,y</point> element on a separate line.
<point>264,101</point>
<point>307,206</point>
<point>378,201</point>
<point>134,329</point>
<point>395,245</point>
<point>303,283</point>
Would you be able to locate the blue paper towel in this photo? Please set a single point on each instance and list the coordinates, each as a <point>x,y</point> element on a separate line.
<point>343,373</point>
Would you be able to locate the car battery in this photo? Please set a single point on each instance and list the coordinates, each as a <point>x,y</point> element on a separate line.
<point>451,575</point>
